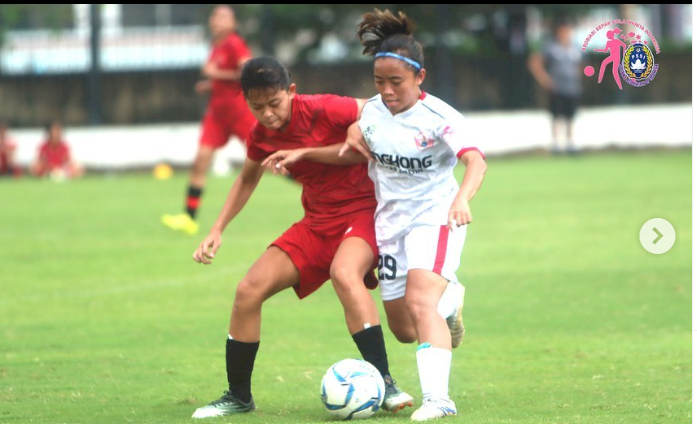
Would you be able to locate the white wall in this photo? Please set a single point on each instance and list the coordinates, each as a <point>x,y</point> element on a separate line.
<point>495,132</point>
<point>595,128</point>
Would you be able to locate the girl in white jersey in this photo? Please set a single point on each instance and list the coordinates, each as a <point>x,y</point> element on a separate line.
<point>413,141</point>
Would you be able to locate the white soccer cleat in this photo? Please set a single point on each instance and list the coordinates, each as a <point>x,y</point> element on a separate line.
<point>395,398</point>
<point>433,409</point>
<point>455,324</point>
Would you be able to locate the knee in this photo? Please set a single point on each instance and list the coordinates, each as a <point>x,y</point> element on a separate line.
<point>344,278</point>
<point>249,294</point>
<point>416,306</point>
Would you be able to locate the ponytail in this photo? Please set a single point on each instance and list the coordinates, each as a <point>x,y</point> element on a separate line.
<point>382,32</point>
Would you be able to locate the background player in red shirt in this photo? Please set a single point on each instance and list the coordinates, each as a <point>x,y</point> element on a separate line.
<point>54,156</point>
<point>227,112</point>
<point>335,238</point>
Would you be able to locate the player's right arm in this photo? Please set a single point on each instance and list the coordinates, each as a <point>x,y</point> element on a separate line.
<point>280,161</point>
<point>211,71</point>
<point>241,191</point>
<point>203,86</point>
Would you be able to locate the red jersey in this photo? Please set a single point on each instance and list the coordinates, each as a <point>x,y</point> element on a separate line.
<point>227,55</point>
<point>329,191</point>
<point>54,155</point>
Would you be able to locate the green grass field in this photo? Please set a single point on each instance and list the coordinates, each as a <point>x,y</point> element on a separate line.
<point>104,317</point>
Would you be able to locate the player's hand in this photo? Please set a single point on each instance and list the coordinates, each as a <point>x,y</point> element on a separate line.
<point>355,140</point>
<point>282,159</point>
<point>203,86</point>
<point>207,249</point>
<point>459,214</point>
<point>210,70</point>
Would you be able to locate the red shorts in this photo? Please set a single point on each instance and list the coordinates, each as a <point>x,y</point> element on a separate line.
<point>223,121</point>
<point>312,251</point>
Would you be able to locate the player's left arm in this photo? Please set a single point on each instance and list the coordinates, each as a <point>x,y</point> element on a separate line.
<point>460,213</point>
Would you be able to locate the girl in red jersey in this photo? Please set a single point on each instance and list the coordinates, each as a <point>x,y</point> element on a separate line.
<point>227,112</point>
<point>335,239</point>
<point>54,159</point>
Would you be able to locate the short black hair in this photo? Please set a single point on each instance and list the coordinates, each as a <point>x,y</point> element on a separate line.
<point>264,73</point>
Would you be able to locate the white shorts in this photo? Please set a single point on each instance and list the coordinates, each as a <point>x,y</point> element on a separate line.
<point>434,248</point>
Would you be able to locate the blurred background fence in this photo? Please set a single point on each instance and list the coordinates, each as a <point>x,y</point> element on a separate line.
<point>136,64</point>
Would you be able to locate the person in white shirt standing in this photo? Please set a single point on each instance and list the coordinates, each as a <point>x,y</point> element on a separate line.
<point>413,141</point>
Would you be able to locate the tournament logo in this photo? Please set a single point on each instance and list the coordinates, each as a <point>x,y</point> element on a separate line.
<point>629,56</point>
<point>638,66</point>
<point>423,142</point>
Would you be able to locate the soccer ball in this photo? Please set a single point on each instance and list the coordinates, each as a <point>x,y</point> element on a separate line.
<point>352,388</point>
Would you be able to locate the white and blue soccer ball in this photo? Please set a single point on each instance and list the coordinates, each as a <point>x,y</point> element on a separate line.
<point>352,389</point>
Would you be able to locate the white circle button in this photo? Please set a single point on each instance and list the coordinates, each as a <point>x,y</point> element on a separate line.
<point>657,236</point>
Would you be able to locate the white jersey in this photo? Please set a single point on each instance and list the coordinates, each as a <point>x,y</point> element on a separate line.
<point>415,152</point>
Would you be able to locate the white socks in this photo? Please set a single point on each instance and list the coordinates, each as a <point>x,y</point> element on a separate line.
<point>434,370</point>
<point>447,305</point>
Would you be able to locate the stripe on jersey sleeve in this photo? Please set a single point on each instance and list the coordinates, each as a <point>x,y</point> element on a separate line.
<point>467,149</point>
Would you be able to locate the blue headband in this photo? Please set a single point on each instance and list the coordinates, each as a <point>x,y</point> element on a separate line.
<point>413,63</point>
